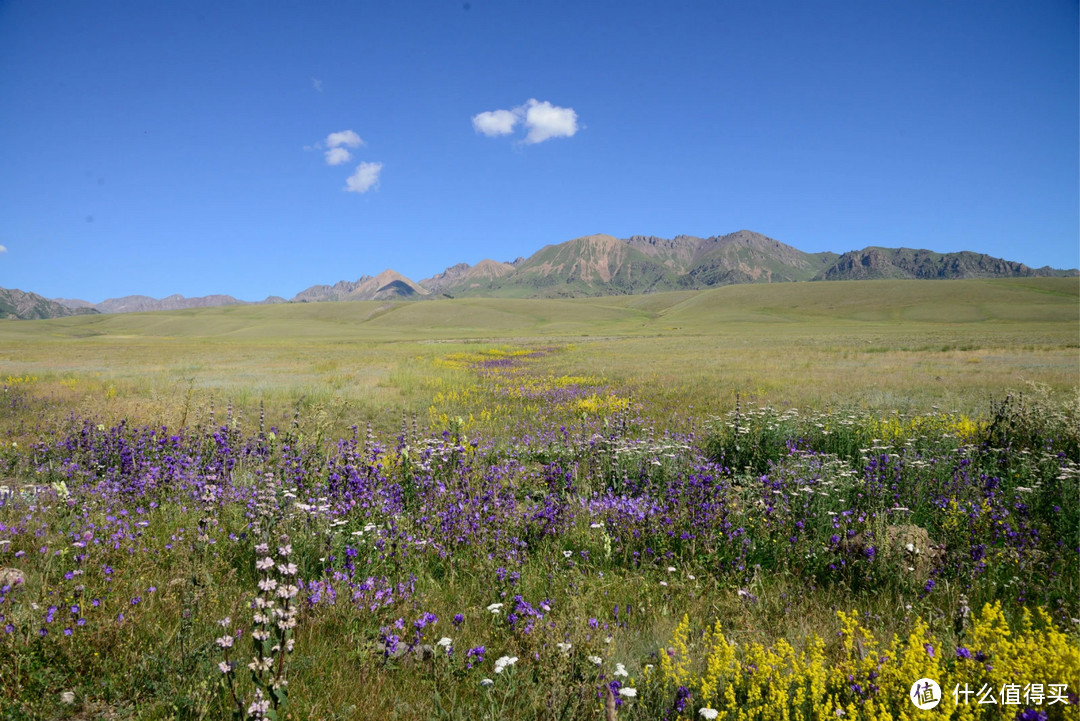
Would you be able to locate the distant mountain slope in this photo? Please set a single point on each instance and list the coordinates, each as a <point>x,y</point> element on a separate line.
<point>876,263</point>
<point>142,303</point>
<point>678,254</point>
<point>739,257</point>
<point>17,304</point>
<point>599,265</point>
<point>467,277</point>
<point>73,303</point>
<point>603,265</point>
<point>586,266</point>
<point>591,265</point>
<point>748,257</point>
<point>386,285</point>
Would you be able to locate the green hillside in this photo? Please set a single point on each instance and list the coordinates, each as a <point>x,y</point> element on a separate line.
<point>876,343</point>
<point>848,303</point>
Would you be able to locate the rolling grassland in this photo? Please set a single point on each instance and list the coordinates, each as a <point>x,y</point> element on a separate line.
<point>754,502</point>
<point>886,344</point>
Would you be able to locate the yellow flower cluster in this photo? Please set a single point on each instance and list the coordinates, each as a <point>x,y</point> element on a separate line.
<point>12,381</point>
<point>454,395</point>
<point>465,360</point>
<point>867,678</point>
<point>675,662</point>
<point>464,423</point>
<point>471,404</point>
<point>501,395</point>
<point>896,429</point>
<point>597,405</point>
<point>533,386</point>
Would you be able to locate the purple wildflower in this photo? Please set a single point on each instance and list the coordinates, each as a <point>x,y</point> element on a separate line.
<point>682,695</point>
<point>476,653</point>
<point>1031,714</point>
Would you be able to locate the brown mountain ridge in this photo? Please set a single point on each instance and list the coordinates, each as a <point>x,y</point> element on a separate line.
<point>599,264</point>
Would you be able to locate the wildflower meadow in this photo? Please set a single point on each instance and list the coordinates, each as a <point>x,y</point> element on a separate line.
<point>539,541</point>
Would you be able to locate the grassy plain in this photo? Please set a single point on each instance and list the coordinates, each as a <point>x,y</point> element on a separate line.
<point>889,345</point>
<point>548,506</point>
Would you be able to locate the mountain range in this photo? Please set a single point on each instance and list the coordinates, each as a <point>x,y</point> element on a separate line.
<point>595,265</point>
<point>31,306</point>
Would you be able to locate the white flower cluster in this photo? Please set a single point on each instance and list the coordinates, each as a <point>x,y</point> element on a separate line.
<point>274,617</point>
<point>259,706</point>
<point>209,506</point>
<point>504,662</point>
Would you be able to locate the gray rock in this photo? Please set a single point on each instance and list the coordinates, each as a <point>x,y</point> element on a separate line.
<point>12,577</point>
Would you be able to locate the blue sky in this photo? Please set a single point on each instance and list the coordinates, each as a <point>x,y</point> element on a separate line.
<point>184,147</point>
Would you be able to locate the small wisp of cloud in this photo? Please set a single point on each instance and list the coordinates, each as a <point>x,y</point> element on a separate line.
<point>495,122</point>
<point>364,179</point>
<point>337,146</point>
<point>317,84</point>
<point>542,121</point>
<point>337,156</point>
<point>344,137</point>
<point>3,249</point>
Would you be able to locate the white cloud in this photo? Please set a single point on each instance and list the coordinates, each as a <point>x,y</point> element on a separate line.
<point>336,151</point>
<point>345,137</point>
<point>495,122</point>
<point>364,179</point>
<point>545,120</point>
<point>3,249</point>
<point>337,156</point>
<point>542,120</point>
<point>317,84</point>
